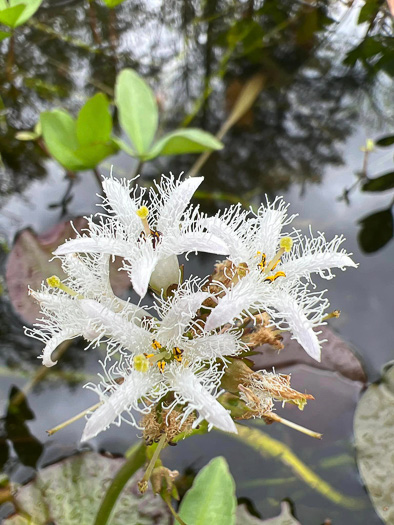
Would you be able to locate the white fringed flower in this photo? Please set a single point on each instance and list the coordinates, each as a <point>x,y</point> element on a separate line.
<point>77,306</point>
<point>176,356</point>
<point>148,235</point>
<point>272,271</point>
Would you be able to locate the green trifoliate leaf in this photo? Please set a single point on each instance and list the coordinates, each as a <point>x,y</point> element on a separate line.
<point>212,496</point>
<point>94,122</point>
<point>138,112</point>
<point>181,141</point>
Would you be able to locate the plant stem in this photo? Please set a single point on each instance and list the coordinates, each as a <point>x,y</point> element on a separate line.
<point>155,457</point>
<point>173,511</point>
<point>73,419</point>
<point>133,463</point>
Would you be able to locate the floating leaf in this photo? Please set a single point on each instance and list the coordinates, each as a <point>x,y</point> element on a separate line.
<point>191,140</point>
<point>138,112</point>
<point>373,430</point>
<point>94,122</point>
<point>285,517</point>
<point>376,230</point>
<point>212,496</point>
<point>28,264</point>
<point>385,141</point>
<point>70,492</point>
<point>382,183</point>
<point>59,132</point>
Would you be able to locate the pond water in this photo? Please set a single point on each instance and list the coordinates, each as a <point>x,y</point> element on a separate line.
<point>302,139</point>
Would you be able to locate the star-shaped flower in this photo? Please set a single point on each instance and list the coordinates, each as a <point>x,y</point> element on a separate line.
<point>148,234</point>
<point>272,270</point>
<point>173,356</point>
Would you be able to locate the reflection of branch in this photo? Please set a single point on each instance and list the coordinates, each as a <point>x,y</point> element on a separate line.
<point>93,22</point>
<point>10,57</point>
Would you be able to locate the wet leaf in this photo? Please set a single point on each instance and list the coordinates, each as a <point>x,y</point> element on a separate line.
<point>382,183</point>
<point>9,16</point>
<point>384,142</point>
<point>285,517</point>
<point>29,8</point>
<point>376,231</point>
<point>94,122</point>
<point>59,132</point>
<point>138,112</point>
<point>373,429</point>
<point>70,492</point>
<point>337,356</point>
<point>181,141</point>
<point>212,496</point>
<point>28,265</point>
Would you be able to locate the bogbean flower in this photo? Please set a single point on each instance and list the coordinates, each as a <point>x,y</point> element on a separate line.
<point>148,233</point>
<point>66,306</point>
<point>271,271</point>
<point>173,355</point>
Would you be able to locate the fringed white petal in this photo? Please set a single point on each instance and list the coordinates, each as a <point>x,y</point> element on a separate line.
<point>142,265</point>
<point>179,314</point>
<point>212,347</point>
<point>104,245</point>
<point>125,398</point>
<point>53,343</point>
<point>165,274</point>
<point>115,326</point>
<point>235,245</point>
<point>197,241</point>
<point>190,391</point>
<point>176,197</point>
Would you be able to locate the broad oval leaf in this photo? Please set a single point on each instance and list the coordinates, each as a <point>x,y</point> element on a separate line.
<point>373,431</point>
<point>383,142</point>
<point>191,140</point>
<point>59,133</point>
<point>93,154</point>
<point>10,15</point>
<point>382,183</point>
<point>70,493</point>
<point>138,113</point>
<point>94,122</point>
<point>29,8</point>
<point>212,496</point>
<point>376,231</point>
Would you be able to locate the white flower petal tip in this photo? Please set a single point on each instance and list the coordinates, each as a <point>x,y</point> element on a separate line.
<point>223,421</point>
<point>98,421</point>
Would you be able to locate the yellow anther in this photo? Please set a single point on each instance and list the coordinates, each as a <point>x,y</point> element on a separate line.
<point>141,363</point>
<point>177,353</point>
<point>272,278</point>
<point>143,212</point>
<point>156,345</point>
<point>54,281</point>
<point>286,243</point>
<point>161,366</point>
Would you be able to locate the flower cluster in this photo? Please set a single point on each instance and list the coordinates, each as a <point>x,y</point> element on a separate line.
<point>179,356</point>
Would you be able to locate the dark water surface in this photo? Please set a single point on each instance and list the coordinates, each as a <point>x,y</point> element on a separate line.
<point>301,140</point>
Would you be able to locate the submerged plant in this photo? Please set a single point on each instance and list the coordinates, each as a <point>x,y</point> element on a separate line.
<point>182,363</point>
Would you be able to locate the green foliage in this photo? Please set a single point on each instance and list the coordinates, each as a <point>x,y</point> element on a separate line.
<point>4,35</point>
<point>382,183</point>
<point>80,144</point>
<point>14,13</point>
<point>373,430</point>
<point>376,230</point>
<point>112,3</point>
<point>139,115</point>
<point>212,496</point>
<point>386,141</point>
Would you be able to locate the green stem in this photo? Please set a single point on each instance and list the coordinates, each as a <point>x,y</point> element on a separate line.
<point>173,511</point>
<point>155,457</point>
<point>133,463</point>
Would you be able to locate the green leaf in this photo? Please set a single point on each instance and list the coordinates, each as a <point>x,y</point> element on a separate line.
<point>4,35</point>
<point>94,122</point>
<point>10,15</point>
<point>70,493</point>
<point>138,112</point>
<point>191,140</point>
<point>383,142</point>
<point>93,154</point>
<point>26,135</point>
<point>382,183</point>
<point>376,231</point>
<point>112,3</point>
<point>373,428</point>
<point>368,11</point>
<point>125,147</point>
<point>212,496</point>
<point>59,133</point>
<point>29,8</point>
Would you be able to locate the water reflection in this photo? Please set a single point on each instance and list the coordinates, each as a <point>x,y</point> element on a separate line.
<point>302,136</point>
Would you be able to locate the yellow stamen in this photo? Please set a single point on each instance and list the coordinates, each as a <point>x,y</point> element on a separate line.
<point>141,363</point>
<point>55,282</point>
<point>177,352</point>
<point>143,213</point>
<point>156,345</point>
<point>272,278</point>
<point>335,313</point>
<point>285,244</point>
<point>161,366</point>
